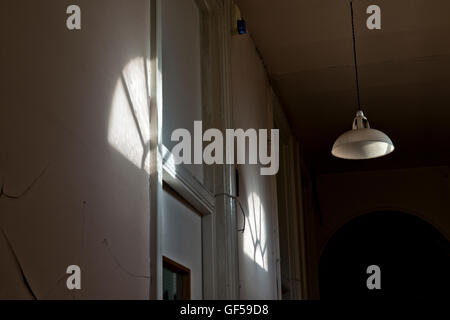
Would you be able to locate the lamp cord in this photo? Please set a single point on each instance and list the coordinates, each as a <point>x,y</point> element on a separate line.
<point>354,56</point>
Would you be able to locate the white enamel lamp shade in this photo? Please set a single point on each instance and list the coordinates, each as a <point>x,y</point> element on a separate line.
<point>362,142</point>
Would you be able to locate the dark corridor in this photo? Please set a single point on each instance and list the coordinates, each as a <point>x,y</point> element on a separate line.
<point>412,255</point>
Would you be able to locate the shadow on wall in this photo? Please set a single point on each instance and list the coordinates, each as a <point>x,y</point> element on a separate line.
<point>412,255</point>
<point>254,250</point>
<point>76,104</point>
<point>255,237</point>
<point>257,265</point>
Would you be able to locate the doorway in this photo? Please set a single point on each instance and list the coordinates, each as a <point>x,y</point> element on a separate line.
<point>412,255</point>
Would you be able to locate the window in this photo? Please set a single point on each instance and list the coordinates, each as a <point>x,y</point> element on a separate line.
<point>176,281</point>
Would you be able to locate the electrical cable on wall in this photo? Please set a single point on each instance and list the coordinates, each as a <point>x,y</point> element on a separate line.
<point>240,206</point>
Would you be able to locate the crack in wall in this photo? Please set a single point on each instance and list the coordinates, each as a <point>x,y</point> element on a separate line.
<point>131,274</point>
<point>16,259</point>
<point>4,194</point>
<point>63,277</point>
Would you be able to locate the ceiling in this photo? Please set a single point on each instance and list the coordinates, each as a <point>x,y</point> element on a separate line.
<point>404,75</point>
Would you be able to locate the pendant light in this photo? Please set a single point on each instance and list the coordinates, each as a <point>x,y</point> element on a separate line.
<point>361,142</point>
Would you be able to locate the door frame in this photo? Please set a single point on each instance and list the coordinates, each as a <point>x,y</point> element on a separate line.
<point>219,240</point>
<point>290,178</point>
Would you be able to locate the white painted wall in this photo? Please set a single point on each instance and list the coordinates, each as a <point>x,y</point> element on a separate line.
<point>257,260</point>
<point>182,105</point>
<point>181,71</point>
<point>182,239</point>
<point>64,108</point>
<point>73,128</point>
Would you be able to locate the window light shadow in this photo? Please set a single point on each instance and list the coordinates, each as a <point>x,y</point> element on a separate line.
<point>255,237</point>
<point>129,122</point>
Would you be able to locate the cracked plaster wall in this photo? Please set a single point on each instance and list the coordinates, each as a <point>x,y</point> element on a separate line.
<point>74,190</point>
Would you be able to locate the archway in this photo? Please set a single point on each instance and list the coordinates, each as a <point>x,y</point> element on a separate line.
<point>412,255</point>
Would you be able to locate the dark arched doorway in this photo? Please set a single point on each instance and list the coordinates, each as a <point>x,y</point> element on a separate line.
<point>412,255</point>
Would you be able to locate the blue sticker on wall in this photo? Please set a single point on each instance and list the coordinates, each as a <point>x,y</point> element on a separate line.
<point>242,28</point>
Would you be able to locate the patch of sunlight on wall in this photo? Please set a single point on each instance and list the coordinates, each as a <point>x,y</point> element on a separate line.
<point>129,122</point>
<point>255,237</point>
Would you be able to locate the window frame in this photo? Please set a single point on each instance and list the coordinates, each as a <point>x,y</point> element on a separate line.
<point>183,271</point>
